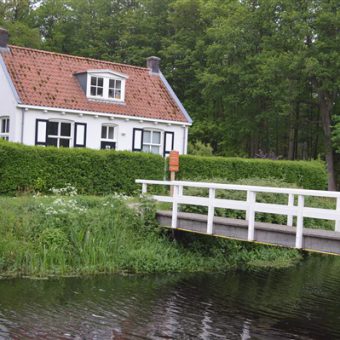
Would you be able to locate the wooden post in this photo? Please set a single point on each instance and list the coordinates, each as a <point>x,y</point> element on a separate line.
<point>172,178</point>
<point>251,200</point>
<point>173,168</point>
<point>211,211</point>
<point>337,222</point>
<point>290,206</point>
<point>174,208</point>
<point>299,222</point>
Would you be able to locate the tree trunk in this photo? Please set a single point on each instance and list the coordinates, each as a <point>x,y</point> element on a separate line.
<point>291,137</point>
<point>326,105</point>
<point>293,133</point>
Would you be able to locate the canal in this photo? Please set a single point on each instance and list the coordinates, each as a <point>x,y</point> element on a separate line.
<point>302,302</point>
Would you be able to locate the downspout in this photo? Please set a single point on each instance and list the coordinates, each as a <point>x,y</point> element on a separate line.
<point>185,140</point>
<point>22,125</point>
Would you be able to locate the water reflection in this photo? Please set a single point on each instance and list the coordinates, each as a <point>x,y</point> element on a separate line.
<point>298,303</point>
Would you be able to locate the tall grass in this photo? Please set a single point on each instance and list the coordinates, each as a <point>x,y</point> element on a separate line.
<point>55,235</point>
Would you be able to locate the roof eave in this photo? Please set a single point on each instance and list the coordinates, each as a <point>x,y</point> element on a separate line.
<point>102,114</point>
<point>175,98</point>
<point>9,79</point>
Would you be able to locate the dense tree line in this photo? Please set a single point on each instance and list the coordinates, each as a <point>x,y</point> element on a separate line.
<point>259,77</point>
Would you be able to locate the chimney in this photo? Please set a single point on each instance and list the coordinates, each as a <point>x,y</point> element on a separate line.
<point>152,64</point>
<point>3,38</point>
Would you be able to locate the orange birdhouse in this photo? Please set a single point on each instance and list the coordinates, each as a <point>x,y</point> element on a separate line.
<point>174,161</point>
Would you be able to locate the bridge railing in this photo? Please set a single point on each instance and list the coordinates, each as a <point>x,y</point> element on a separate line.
<point>250,205</point>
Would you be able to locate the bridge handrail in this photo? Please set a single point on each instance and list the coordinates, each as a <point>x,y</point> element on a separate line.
<point>250,205</point>
<point>239,187</point>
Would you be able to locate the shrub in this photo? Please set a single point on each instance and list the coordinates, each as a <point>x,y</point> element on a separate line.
<point>27,168</point>
<point>38,169</point>
<point>200,149</point>
<point>305,174</point>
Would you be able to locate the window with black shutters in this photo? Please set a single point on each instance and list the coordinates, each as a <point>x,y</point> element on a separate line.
<point>152,141</point>
<point>108,139</point>
<point>58,134</point>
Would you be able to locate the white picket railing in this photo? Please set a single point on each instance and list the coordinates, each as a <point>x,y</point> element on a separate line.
<point>300,211</point>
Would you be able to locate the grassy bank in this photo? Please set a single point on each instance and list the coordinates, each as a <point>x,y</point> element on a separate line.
<point>58,235</point>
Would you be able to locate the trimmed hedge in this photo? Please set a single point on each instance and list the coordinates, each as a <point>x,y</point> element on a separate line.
<point>30,168</point>
<point>306,174</point>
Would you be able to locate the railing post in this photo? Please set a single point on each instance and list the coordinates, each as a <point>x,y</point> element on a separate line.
<point>337,222</point>
<point>211,211</point>
<point>144,188</point>
<point>299,222</point>
<point>251,199</point>
<point>290,206</point>
<point>174,207</point>
<point>180,190</point>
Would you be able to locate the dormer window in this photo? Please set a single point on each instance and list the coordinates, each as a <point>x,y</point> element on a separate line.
<point>115,89</point>
<point>97,86</point>
<point>105,85</point>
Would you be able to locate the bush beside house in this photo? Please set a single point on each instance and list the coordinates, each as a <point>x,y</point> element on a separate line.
<point>305,174</point>
<point>26,168</point>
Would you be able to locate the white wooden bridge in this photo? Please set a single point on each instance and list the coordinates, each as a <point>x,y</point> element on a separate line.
<point>295,209</point>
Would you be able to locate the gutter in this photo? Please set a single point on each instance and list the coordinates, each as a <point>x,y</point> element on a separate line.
<point>22,125</point>
<point>102,114</point>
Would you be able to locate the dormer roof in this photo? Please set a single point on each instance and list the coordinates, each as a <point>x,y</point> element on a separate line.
<point>48,79</point>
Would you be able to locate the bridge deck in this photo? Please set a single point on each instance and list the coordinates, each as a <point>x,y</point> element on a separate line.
<point>323,241</point>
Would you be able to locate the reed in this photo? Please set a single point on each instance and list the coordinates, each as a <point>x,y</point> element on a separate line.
<point>79,235</point>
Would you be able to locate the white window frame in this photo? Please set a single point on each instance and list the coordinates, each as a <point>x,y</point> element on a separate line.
<point>107,75</point>
<point>97,86</point>
<point>115,89</point>
<point>59,136</point>
<point>5,134</point>
<point>151,144</point>
<point>114,139</point>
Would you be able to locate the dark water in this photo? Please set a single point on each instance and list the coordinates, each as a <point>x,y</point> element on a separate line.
<point>298,303</point>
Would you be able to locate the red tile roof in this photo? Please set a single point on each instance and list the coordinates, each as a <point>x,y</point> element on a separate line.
<point>47,79</point>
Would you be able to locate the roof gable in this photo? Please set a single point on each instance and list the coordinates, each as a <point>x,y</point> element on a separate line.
<point>48,79</point>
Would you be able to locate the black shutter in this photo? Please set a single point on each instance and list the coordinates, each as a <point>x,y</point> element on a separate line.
<point>40,134</point>
<point>169,138</point>
<point>137,140</point>
<point>80,135</point>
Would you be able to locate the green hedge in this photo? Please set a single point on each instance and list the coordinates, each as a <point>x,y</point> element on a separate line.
<point>27,168</point>
<point>306,174</point>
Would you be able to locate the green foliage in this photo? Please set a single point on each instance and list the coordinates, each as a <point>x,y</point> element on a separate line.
<point>103,172</point>
<point>336,134</point>
<point>305,174</point>
<point>77,235</point>
<point>17,18</point>
<point>258,77</point>
<point>200,149</point>
<point>24,168</point>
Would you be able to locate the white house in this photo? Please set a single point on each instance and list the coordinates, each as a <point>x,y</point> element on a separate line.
<point>67,101</point>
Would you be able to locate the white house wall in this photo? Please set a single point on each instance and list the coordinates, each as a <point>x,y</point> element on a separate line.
<point>123,129</point>
<point>8,103</point>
